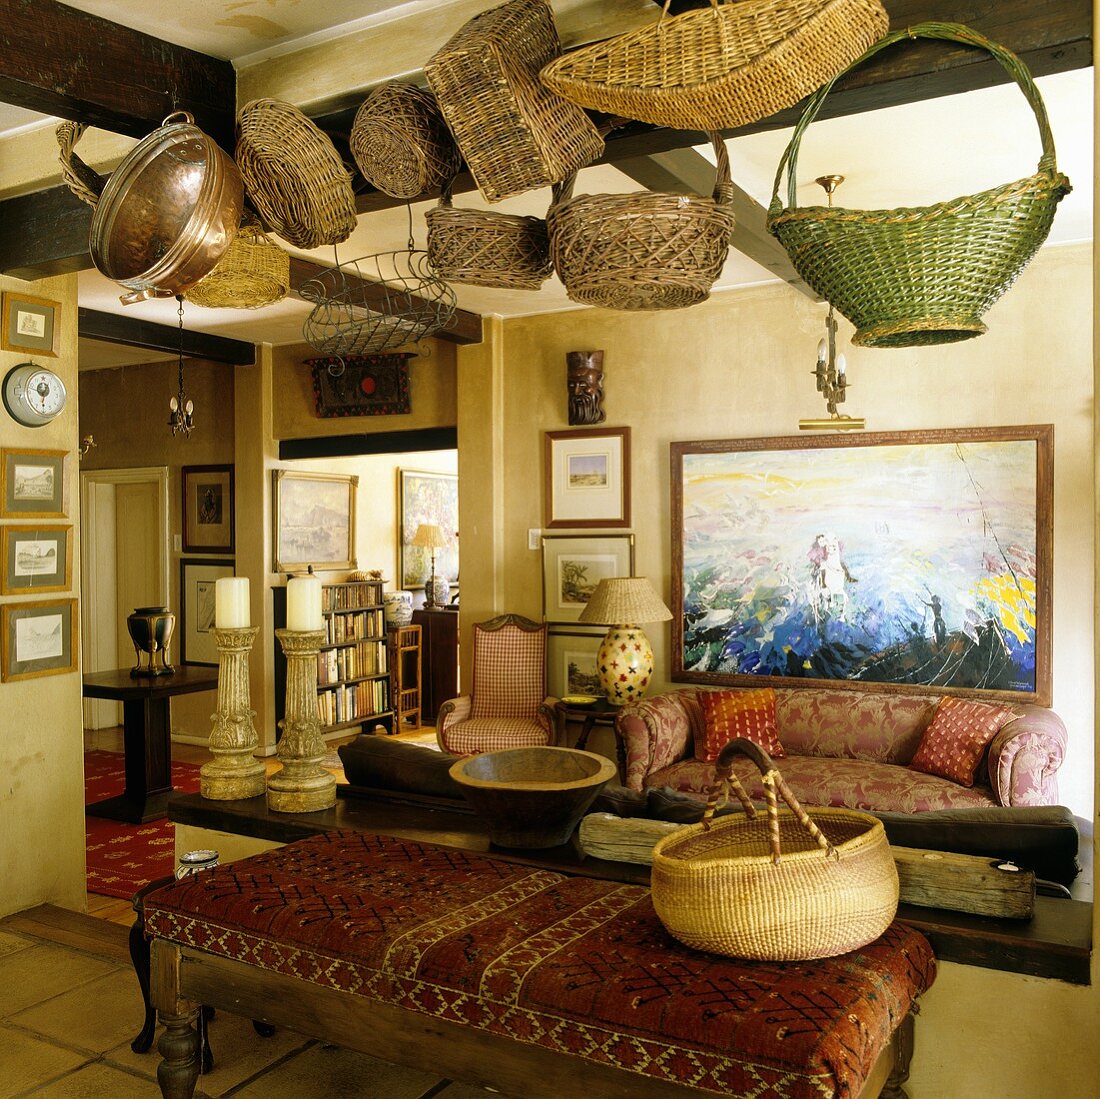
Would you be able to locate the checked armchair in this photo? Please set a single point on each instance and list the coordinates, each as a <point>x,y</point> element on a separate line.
<point>507,706</point>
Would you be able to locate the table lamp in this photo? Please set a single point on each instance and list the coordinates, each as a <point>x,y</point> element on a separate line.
<point>429,536</point>
<point>625,659</point>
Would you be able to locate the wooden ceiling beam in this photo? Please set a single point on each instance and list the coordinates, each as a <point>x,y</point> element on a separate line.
<point>93,324</point>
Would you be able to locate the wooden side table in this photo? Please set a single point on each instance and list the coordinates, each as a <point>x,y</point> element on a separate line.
<point>600,712</point>
<point>406,676</point>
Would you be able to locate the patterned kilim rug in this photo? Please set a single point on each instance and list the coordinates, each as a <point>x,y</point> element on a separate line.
<point>124,857</point>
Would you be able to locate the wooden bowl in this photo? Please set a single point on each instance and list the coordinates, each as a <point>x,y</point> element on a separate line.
<point>532,797</point>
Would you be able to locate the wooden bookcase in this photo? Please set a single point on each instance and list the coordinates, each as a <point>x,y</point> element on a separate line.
<point>353,667</point>
<point>405,671</point>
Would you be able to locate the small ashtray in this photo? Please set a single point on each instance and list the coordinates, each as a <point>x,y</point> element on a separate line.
<point>580,700</point>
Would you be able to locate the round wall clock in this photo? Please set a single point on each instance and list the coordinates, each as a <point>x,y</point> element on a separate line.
<point>33,394</point>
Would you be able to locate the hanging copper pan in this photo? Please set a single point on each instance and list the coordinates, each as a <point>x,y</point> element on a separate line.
<point>168,212</point>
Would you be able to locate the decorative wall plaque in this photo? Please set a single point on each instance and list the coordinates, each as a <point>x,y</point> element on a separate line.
<point>368,385</point>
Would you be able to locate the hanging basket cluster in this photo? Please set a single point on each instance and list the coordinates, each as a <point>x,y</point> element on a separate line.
<point>254,272</point>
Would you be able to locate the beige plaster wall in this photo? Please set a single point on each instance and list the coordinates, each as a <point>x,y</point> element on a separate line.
<point>42,783</point>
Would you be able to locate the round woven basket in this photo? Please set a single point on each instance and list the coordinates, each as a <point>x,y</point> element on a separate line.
<point>401,143</point>
<point>254,272</point>
<point>294,175</point>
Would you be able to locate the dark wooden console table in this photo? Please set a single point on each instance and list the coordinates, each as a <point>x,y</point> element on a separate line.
<point>439,660</point>
<point>147,736</point>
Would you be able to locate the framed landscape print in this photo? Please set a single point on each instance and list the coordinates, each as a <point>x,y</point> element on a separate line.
<point>37,639</point>
<point>197,578</point>
<point>36,558</point>
<point>572,566</point>
<point>29,324</point>
<point>571,663</point>
<point>314,516</point>
<point>913,561</point>
<point>34,484</point>
<point>208,509</point>
<point>587,478</point>
<point>427,498</point>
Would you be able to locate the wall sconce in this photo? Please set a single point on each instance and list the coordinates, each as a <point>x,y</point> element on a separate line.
<point>86,444</point>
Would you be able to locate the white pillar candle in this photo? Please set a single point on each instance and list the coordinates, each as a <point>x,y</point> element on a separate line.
<point>303,604</point>
<point>231,609</point>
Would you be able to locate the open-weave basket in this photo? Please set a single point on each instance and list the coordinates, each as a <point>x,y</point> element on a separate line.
<point>401,143</point>
<point>646,250</point>
<point>84,182</point>
<point>722,66</point>
<point>515,134</point>
<point>254,272</point>
<point>788,887</point>
<point>293,174</point>
<point>925,274</point>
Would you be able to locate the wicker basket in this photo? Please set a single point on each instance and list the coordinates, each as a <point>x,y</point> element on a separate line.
<point>793,886</point>
<point>401,143</point>
<point>294,175</point>
<point>921,275</point>
<point>254,272</point>
<point>647,250</point>
<point>722,66</point>
<point>515,134</point>
<point>84,182</point>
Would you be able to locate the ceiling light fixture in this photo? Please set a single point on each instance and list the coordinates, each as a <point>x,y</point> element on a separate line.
<point>181,417</point>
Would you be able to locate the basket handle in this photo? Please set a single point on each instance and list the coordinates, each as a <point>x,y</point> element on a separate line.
<point>84,182</point>
<point>947,32</point>
<point>773,781</point>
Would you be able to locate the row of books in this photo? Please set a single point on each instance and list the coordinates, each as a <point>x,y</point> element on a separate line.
<point>350,627</point>
<point>367,593</point>
<point>367,658</point>
<point>342,704</point>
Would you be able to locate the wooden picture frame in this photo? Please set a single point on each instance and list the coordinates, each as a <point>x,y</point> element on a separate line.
<point>29,324</point>
<point>427,497</point>
<point>209,509</point>
<point>314,520</point>
<point>36,558</point>
<point>571,662</point>
<point>915,561</point>
<point>38,639</point>
<point>197,578</point>
<point>587,478</point>
<point>572,566</point>
<point>33,483</point>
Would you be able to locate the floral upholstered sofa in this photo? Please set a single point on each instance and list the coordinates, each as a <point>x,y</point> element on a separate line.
<point>848,748</point>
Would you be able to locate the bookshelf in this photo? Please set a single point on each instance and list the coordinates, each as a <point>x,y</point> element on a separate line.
<point>353,667</point>
<point>405,675</point>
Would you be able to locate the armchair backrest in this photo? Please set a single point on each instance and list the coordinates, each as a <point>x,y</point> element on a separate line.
<point>509,667</point>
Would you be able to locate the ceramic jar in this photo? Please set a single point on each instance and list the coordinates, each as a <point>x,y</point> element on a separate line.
<point>397,608</point>
<point>191,862</point>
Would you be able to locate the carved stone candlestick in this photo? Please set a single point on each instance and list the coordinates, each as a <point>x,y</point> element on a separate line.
<point>302,785</point>
<point>234,771</point>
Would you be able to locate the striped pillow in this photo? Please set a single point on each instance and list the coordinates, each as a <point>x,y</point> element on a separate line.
<point>728,715</point>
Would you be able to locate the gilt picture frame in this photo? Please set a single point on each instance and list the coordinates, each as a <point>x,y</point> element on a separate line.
<point>36,558</point>
<point>29,324</point>
<point>572,566</point>
<point>427,497</point>
<point>33,484</point>
<point>208,509</point>
<point>314,520</point>
<point>198,576</point>
<point>571,662</point>
<point>38,639</point>
<point>587,478</point>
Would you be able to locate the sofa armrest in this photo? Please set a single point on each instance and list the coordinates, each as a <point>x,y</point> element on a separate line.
<point>547,717</point>
<point>1024,758</point>
<point>655,733</point>
<point>450,713</point>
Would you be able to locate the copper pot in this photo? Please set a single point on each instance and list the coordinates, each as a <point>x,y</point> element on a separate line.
<point>168,212</point>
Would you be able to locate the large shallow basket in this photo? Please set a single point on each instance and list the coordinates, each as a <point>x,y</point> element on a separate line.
<point>921,275</point>
<point>791,886</point>
<point>515,134</point>
<point>647,250</point>
<point>254,272</point>
<point>294,175</point>
<point>722,66</point>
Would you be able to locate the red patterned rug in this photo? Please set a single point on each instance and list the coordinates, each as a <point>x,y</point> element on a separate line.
<point>124,857</point>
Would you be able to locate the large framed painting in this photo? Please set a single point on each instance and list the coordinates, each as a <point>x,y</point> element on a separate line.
<point>208,516</point>
<point>587,478</point>
<point>571,663</point>
<point>34,484</point>
<point>314,517</point>
<point>912,561</point>
<point>198,575</point>
<point>572,566</point>
<point>427,498</point>
<point>37,639</point>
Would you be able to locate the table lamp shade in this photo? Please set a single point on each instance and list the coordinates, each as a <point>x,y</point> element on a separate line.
<point>621,599</point>
<point>429,536</point>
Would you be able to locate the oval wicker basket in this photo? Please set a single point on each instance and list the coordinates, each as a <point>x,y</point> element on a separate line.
<point>293,174</point>
<point>254,272</point>
<point>646,250</point>
<point>926,274</point>
<point>788,887</point>
<point>722,66</point>
<point>401,143</point>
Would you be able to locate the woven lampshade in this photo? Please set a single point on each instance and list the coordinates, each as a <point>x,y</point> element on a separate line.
<point>623,599</point>
<point>429,536</point>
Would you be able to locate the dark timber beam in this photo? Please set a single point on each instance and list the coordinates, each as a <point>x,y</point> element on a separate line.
<point>134,332</point>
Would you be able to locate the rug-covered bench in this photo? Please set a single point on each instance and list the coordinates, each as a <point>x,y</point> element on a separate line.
<point>510,976</point>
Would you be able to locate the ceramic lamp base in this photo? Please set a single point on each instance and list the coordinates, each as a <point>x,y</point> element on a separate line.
<point>437,592</point>
<point>625,664</point>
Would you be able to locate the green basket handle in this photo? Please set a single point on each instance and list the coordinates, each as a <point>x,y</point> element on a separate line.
<point>947,32</point>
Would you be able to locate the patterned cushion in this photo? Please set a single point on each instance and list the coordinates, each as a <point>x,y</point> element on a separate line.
<point>728,715</point>
<point>953,744</point>
<point>509,672</point>
<point>491,734</point>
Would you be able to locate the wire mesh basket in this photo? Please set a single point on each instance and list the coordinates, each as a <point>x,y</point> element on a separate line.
<point>376,303</point>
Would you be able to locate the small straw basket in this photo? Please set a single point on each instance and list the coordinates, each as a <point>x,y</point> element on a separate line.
<point>254,272</point>
<point>789,887</point>
<point>921,275</point>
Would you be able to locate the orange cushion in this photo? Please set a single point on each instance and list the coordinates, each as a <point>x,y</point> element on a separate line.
<point>728,715</point>
<point>953,743</point>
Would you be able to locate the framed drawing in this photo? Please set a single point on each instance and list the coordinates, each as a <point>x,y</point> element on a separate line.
<point>36,558</point>
<point>314,516</point>
<point>572,566</point>
<point>912,561</point>
<point>208,509</point>
<point>29,324</point>
<point>34,484</point>
<point>587,478</point>
<point>427,498</point>
<point>571,663</point>
<point>37,639</point>
<point>197,578</point>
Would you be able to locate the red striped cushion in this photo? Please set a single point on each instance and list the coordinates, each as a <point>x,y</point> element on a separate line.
<point>953,743</point>
<point>728,715</point>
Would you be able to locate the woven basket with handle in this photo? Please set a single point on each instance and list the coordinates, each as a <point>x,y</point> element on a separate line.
<point>792,885</point>
<point>926,274</point>
<point>254,272</point>
<point>722,66</point>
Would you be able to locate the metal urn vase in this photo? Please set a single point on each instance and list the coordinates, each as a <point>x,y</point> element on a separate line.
<point>150,630</point>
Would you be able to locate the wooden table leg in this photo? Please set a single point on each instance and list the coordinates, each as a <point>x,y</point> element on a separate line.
<point>903,1058</point>
<point>147,731</point>
<point>178,1073</point>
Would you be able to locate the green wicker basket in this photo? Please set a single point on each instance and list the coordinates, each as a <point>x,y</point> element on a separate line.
<point>921,275</point>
